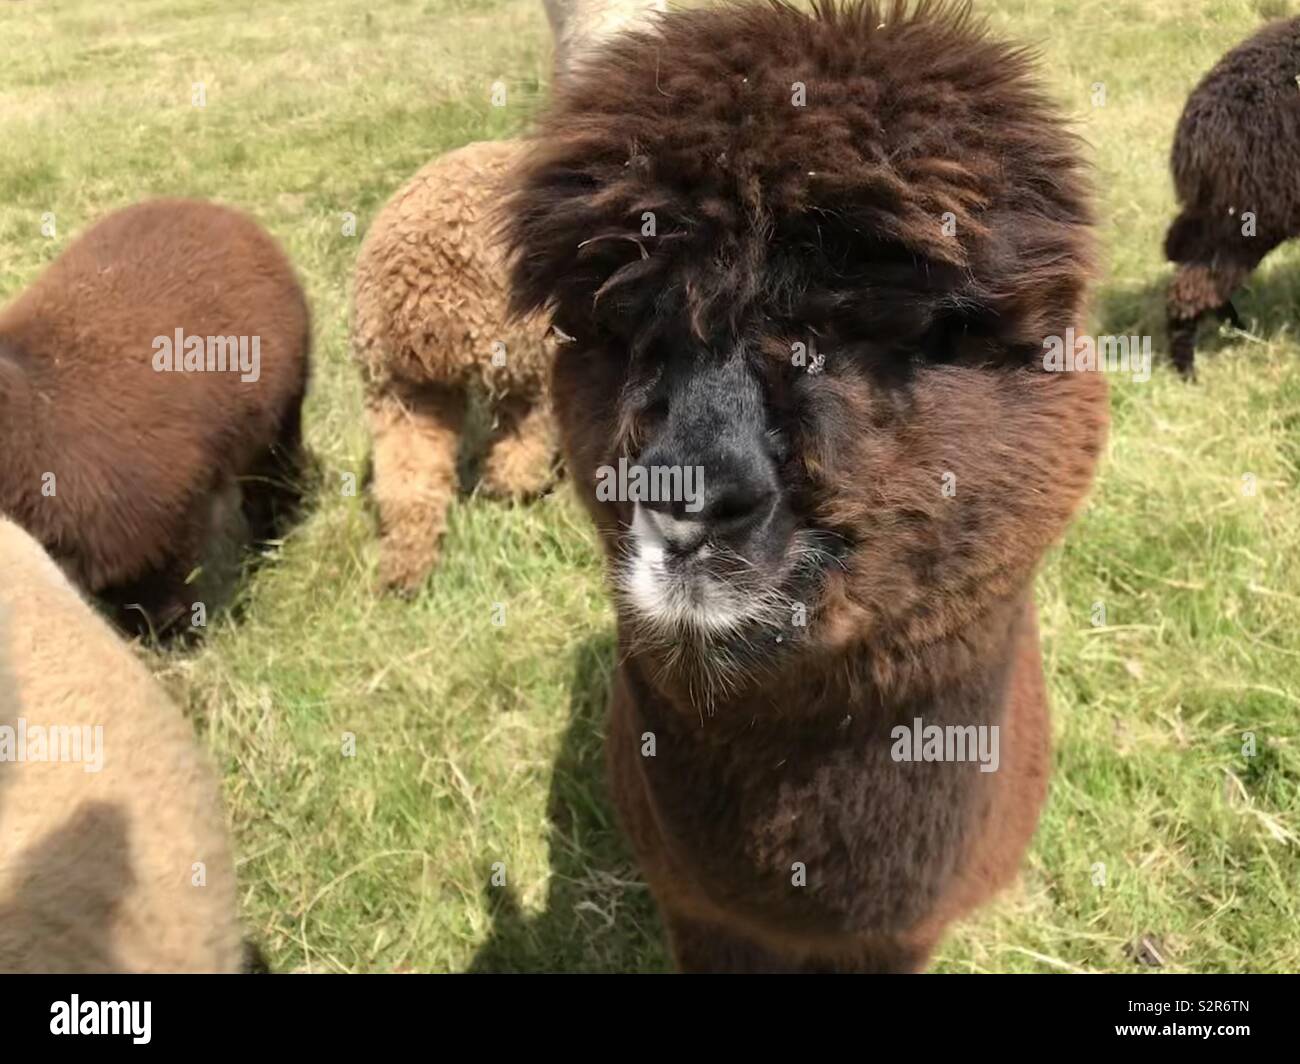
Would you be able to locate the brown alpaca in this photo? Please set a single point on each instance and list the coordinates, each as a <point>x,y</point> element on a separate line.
<point>429,327</point>
<point>114,854</point>
<point>868,220</point>
<point>126,465</point>
<point>1234,162</point>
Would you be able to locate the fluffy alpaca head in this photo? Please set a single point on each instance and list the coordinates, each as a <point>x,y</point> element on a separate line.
<point>811,260</point>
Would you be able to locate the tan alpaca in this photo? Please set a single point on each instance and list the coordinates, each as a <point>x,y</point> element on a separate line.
<point>100,870</point>
<point>429,327</point>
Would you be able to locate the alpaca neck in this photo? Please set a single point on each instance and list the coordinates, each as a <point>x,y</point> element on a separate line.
<point>581,26</point>
<point>962,659</point>
<point>966,667</point>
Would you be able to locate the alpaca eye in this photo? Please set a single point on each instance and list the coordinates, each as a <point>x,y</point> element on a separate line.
<point>646,421</point>
<point>652,415</point>
<point>778,445</point>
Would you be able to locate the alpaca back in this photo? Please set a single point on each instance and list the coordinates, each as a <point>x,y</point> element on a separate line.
<point>110,454</point>
<point>1235,148</point>
<point>429,292</point>
<point>124,868</point>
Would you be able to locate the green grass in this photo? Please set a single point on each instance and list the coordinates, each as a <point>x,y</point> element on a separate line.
<point>478,744</point>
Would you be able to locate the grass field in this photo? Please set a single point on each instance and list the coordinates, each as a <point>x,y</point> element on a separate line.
<point>478,744</point>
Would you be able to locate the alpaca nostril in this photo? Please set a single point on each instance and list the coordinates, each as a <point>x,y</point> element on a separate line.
<point>697,492</point>
<point>736,505</point>
<point>730,513</point>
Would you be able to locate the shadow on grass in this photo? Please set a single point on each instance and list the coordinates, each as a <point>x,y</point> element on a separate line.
<point>599,916</point>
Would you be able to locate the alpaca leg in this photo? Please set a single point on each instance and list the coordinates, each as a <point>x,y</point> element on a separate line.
<point>887,955</point>
<point>1182,346</point>
<point>416,434</point>
<point>1228,313</point>
<point>521,452</point>
<point>1195,291</point>
<point>1213,263</point>
<point>699,947</point>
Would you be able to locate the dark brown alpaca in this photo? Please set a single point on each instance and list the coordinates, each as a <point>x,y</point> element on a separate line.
<point>128,473</point>
<point>866,221</point>
<point>1235,158</point>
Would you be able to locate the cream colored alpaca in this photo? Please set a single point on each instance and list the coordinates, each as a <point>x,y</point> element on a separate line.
<point>100,871</point>
<point>429,327</point>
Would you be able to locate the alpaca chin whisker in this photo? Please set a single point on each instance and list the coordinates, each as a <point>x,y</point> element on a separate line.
<point>716,628</point>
